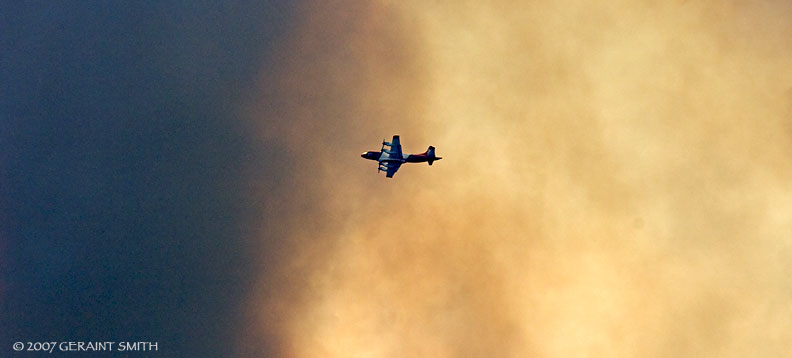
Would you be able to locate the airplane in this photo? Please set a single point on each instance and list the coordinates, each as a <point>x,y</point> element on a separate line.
<point>391,159</point>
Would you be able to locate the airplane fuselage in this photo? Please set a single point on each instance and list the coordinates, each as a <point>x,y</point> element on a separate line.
<point>406,158</point>
<point>390,157</point>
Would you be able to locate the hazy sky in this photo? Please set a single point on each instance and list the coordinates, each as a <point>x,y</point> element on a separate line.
<point>615,182</point>
<point>123,170</point>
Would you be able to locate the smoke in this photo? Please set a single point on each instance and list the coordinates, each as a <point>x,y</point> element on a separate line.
<point>615,181</point>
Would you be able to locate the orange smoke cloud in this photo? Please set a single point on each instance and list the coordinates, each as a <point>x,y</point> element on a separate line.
<point>615,182</point>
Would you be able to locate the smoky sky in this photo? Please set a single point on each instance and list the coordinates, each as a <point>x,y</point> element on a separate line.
<point>123,165</point>
<point>614,182</point>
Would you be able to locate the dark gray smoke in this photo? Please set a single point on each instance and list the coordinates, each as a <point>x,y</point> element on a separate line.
<point>123,169</point>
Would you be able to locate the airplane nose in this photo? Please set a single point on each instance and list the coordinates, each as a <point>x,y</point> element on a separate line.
<point>363,155</point>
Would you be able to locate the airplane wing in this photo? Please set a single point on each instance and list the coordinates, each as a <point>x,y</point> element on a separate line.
<point>391,168</point>
<point>395,149</point>
<point>391,162</point>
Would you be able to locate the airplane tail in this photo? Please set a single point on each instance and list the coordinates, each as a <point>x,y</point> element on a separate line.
<point>431,154</point>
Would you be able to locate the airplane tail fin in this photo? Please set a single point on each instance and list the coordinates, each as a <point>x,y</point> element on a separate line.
<point>431,154</point>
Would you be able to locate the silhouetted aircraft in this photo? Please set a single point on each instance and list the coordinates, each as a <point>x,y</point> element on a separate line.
<point>391,159</point>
